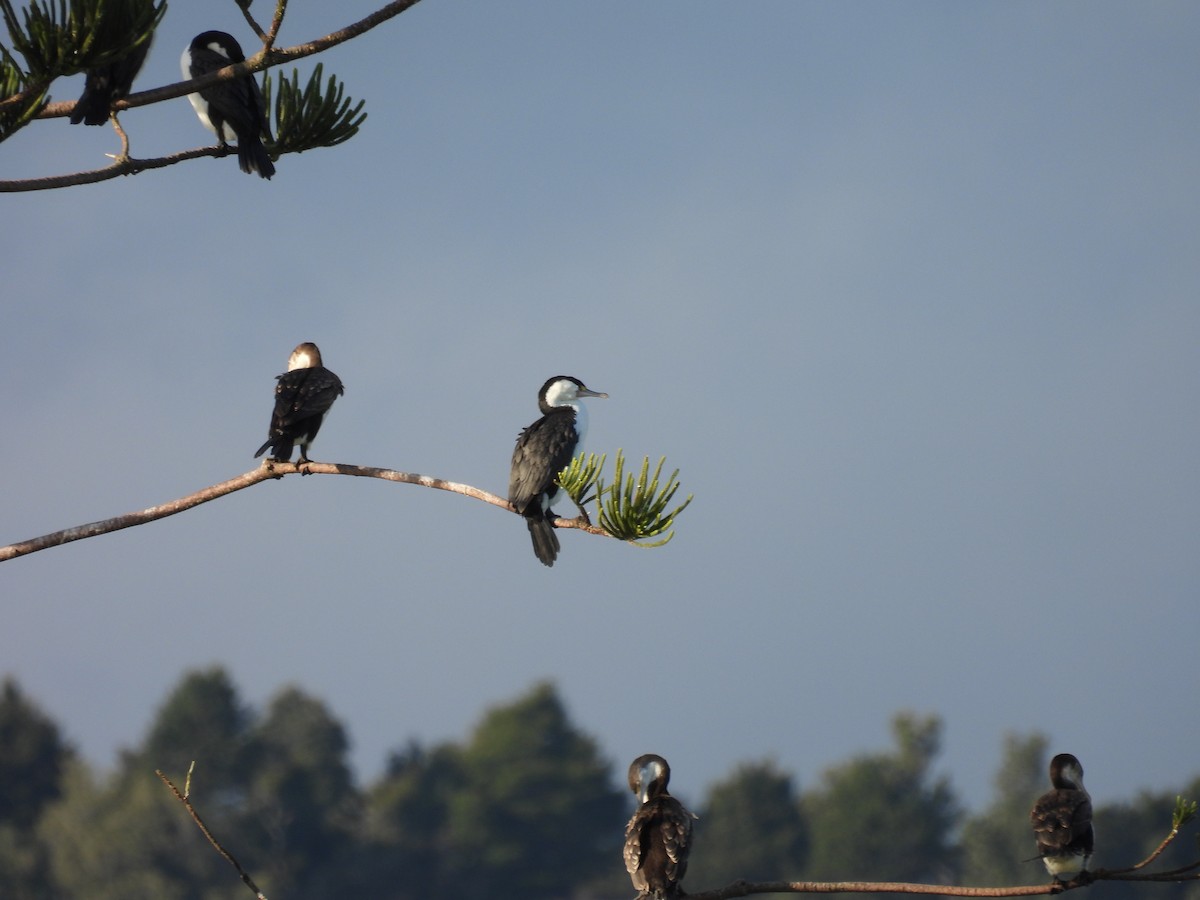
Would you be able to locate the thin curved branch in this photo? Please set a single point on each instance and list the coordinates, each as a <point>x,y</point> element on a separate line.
<point>267,471</point>
<point>746,888</point>
<point>1154,854</point>
<point>187,804</point>
<point>123,165</point>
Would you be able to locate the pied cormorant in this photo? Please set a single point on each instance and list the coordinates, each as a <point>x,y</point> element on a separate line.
<point>543,450</point>
<point>658,838</point>
<point>108,83</point>
<point>232,110</point>
<point>1062,820</point>
<point>303,395</point>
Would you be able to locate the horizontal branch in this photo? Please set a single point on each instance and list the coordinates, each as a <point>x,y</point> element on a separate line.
<point>256,63</point>
<point>124,165</point>
<point>267,471</point>
<point>746,888</point>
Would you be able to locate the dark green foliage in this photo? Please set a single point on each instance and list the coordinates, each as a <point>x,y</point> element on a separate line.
<point>998,846</point>
<point>303,806</point>
<point>1127,832</point>
<point>881,817</point>
<point>33,760</point>
<point>750,827</point>
<point>525,809</point>
<point>64,37</point>
<point>201,720</point>
<point>406,826</point>
<point>537,812</point>
<point>57,37</point>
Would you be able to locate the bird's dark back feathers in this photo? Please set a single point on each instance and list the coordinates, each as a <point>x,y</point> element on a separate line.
<point>1062,822</point>
<point>658,840</point>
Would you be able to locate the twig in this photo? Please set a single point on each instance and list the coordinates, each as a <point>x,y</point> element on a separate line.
<point>267,471</point>
<point>746,888</point>
<point>187,804</point>
<point>1157,852</point>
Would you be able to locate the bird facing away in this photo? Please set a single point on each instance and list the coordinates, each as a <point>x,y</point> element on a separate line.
<point>108,83</point>
<point>543,450</point>
<point>232,110</point>
<point>658,838</point>
<point>303,395</point>
<point>1062,820</point>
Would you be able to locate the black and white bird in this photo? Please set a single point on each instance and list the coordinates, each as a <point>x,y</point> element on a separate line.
<point>543,450</point>
<point>658,838</point>
<point>108,83</point>
<point>1062,820</point>
<point>303,395</point>
<point>232,110</point>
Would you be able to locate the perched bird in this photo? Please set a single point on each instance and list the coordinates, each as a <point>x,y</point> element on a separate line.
<point>232,110</point>
<point>302,397</point>
<point>1062,820</point>
<point>543,450</point>
<point>658,838</point>
<point>108,83</point>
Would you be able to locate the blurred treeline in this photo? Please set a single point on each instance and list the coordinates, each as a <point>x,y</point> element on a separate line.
<point>526,808</point>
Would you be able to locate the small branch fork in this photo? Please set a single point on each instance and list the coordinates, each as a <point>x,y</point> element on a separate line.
<point>746,888</point>
<point>187,804</point>
<point>267,471</point>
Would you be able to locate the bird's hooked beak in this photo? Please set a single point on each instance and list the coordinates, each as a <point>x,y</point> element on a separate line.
<point>585,392</point>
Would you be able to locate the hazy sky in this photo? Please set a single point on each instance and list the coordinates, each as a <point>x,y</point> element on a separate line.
<point>909,292</point>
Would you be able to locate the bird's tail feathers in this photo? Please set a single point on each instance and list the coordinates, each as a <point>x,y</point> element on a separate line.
<point>253,157</point>
<point>545,541</point>
<point>92,108</point>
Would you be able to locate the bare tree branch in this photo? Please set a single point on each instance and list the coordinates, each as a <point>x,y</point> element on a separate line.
<point>187,804</point>
<point>746,888</point>
<point>268,470</point>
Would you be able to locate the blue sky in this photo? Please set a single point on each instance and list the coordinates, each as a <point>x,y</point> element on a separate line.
<point>907,292</point>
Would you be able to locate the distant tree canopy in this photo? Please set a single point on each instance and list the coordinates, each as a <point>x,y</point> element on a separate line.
<point>33,760</point>
<point>881,817</point>
<point>525,808</point>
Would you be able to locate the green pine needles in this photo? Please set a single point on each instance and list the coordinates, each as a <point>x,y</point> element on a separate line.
<point>312,117</point>
<point>629,508</point>
<point>64,37</point>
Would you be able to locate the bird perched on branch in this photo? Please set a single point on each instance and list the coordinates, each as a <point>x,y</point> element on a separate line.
<point>232,110</point>
<point>658,838</point>
<point>1062,820</point>
<point>108,83</point>
<point>303,396</point>
<point>543,450</point>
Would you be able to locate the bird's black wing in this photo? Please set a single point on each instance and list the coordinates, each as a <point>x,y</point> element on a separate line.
<point>659,834</point>
<point>676,829</point>
<point>302,393</point>
<point>543,450</point>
